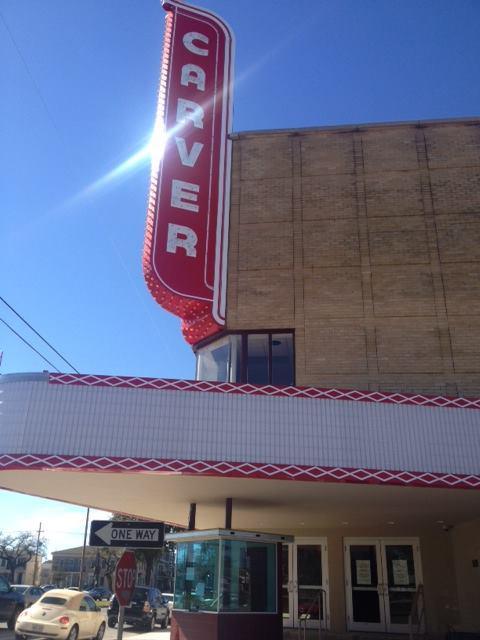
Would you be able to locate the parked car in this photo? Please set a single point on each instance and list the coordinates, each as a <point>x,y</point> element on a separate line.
<point>11,603</point>
<point>100,593</point>
<point>147,607</point>
<point>30,593</point>
<point>62,614</point>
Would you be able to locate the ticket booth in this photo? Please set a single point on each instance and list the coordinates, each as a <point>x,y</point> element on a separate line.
<point>227,585</point>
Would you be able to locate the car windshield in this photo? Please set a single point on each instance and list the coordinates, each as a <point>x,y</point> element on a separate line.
<point>19,588</point>
<point>53,600</point>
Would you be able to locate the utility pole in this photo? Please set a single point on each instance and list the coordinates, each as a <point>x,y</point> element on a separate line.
<point>82,561</point>
<point>35,568</point>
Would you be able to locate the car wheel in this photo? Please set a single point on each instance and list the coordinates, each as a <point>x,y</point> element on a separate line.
<point>11,622</point>
<point>112,622</point>
<point>73,635</point>
<point>100,632</point>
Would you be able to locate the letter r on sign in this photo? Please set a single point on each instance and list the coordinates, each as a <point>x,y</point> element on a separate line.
<point>184,237</point>
<point>189,110</point>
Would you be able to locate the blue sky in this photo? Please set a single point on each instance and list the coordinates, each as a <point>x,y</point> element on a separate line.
<point>78,82</point>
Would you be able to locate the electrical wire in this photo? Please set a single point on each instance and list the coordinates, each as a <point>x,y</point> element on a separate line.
<point>36,333</point>
<point>29,73</point>
<point>28,343</point>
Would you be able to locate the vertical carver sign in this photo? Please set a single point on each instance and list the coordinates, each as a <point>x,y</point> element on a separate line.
<point>186,239</point>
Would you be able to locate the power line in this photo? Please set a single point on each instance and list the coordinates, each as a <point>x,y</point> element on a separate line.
<point>38,334</point>
<point>30,345</point>
<point>29,73</point>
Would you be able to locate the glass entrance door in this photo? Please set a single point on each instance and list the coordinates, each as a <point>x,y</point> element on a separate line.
<point>305,583</point>
<point>382,576</point>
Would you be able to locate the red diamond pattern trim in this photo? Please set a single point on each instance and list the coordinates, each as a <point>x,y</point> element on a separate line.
<point>267,390</point>
<point>9,462</point>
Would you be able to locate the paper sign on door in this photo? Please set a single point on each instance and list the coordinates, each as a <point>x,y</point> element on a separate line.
<point>400,572</point>
<point>364,572</point>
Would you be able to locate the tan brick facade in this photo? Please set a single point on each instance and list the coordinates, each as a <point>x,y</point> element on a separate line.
<point>366,241</point>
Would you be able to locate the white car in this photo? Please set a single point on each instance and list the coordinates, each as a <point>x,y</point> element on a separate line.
<point>62,614</point>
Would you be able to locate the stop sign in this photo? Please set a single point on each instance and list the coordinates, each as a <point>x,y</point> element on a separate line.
<point>125,574</point>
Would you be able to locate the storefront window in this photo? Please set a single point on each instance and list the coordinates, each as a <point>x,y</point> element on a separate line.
<point>196,579</point>
<point>226,576</point>
<point>249,577</point>
<point>282,359</point>
<point>220,361</point>
<point>257,358</point>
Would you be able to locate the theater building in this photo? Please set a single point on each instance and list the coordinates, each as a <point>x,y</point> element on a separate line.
<point>337,396</point>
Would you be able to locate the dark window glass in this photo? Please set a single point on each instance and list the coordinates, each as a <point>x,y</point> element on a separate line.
<point>249,577</point>
<point>88,604</point>
<point>258,359</point>
<point>140,593</point>
<point>53,600</point>
<point>282,359</point>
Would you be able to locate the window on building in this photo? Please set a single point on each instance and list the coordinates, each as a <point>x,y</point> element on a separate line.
<point>254,357</point>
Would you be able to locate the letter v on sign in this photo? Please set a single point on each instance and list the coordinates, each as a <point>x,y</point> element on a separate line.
<point>188,158</point>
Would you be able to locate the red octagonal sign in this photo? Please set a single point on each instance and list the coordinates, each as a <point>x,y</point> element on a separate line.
<point>125,574</point>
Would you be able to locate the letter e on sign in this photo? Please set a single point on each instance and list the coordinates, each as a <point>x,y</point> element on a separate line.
<point>125,577</point>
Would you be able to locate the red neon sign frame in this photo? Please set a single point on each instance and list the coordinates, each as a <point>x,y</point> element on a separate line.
<point>186,239</point>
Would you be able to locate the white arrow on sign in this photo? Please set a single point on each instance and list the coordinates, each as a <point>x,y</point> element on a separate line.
<point>110,534</point>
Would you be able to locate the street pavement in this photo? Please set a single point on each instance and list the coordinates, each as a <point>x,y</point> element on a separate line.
<point>129,633</point>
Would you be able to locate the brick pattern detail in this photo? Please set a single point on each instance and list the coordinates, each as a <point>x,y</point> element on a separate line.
<point>371,252</point>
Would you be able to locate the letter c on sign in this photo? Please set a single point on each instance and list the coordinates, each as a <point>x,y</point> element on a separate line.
<point>188,39</point>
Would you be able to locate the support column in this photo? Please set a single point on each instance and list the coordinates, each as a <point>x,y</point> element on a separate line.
<point>228,513</point>
<point>191,516</point>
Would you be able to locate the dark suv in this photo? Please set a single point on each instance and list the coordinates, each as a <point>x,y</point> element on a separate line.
<point>11,603</point>
<point>147,607</point>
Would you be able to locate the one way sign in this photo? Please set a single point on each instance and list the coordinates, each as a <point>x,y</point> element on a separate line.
<point>132,534</point>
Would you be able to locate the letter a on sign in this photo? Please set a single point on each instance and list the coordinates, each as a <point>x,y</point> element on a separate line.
<point>185,250</point>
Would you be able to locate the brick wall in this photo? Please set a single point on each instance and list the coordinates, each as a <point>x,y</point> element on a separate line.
<point>366,242</point>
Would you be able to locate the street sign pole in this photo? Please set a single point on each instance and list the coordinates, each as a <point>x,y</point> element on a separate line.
<point>121,616</point>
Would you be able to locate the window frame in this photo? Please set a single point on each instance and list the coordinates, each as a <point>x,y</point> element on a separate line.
<point>244,351</point>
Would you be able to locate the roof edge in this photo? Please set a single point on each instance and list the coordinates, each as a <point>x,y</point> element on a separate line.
<point>356,127</point>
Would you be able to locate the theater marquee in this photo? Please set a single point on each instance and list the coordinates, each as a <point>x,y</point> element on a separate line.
<point>186,239</point>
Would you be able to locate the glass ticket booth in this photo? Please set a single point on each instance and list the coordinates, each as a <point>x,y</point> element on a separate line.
<point>227,585</point>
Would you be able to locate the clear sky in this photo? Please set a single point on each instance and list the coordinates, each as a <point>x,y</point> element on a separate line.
<point>78,83</point>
